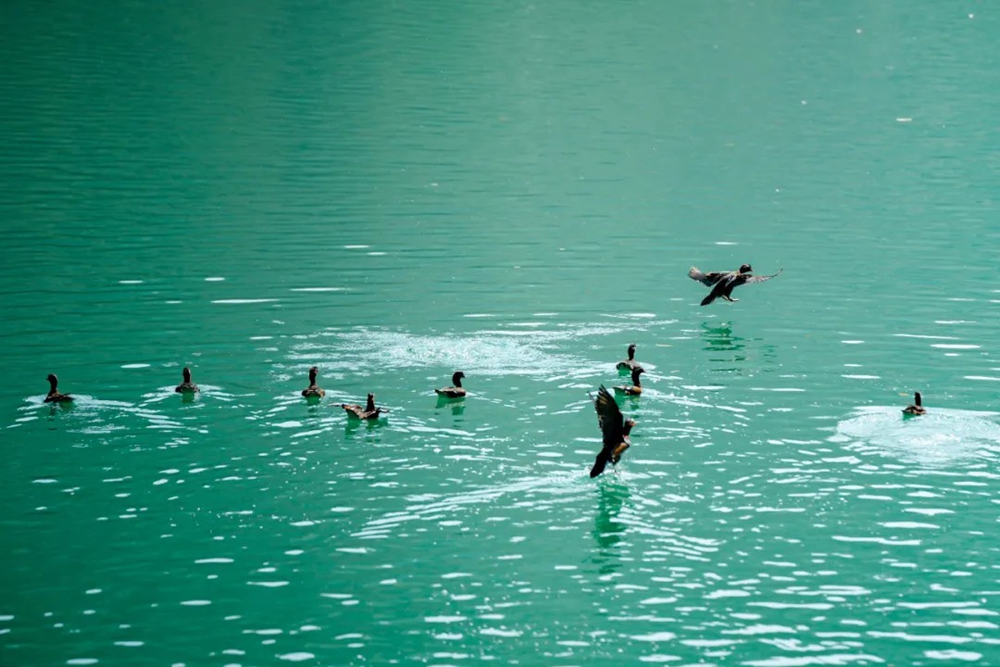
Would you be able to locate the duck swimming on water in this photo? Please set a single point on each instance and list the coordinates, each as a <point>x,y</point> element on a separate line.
<point>614,431</point>
<point>457,391</point>
<point>313,391</point>
<point>54,396</point>
<point>636,387</point>
<point>186,387</point>
<point>724,282</point>
<point>917,408</point>
<point>368,412</point>
<point>630,363</point>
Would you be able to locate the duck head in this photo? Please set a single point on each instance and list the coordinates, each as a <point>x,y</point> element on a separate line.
<point>636,372</point>
<point>187,374</point>
<point>631,352</point>
<point>457,378</point>
<point>629,423</point>
<point>745,268</point>
<point>312,374</point>
<point>53,380</point>
<point>370,405</point>
<point>916,399</point>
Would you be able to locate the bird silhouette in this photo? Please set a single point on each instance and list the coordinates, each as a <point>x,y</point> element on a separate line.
<point>457,391</point>
<point>614,430</point>
<point>724,282</point>
<point>917,408</point>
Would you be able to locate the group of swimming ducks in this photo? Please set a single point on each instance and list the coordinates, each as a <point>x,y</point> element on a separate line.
<point>615,429</point>
<point>313,393</point>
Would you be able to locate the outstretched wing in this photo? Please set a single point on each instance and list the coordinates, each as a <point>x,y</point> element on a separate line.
<point>609,418</point>
<point>758,279</point>
<point>708,279</point>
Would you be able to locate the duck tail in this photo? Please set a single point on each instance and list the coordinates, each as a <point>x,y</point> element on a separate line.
<point>708,299</point>
<point>599,463</point>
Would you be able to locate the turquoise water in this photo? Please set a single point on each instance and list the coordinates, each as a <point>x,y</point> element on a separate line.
<point>392,192</point>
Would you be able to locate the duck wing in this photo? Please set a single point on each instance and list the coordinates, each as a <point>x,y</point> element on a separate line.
<point>355,410</point>
<point>609,418</point>
<point>748,280</point>
<point>707,279</point>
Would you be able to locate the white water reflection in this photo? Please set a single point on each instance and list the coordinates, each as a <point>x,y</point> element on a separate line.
<point>942,437</point>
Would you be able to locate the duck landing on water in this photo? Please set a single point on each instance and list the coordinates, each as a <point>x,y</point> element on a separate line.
<point>614,431</point>
<point>724,282</point>
<point>368,412</point>
<point>54,396</point>
<point>457,391</point>
<point>629,364</point>
<point>313,391</point>
<point>636,388</point>
<point>186,387</point>
<point>916,409</point>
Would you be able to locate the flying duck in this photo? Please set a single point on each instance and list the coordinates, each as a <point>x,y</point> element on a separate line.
<point>724,282</point>
<point>917,408</point>
<point>186,387</point>
<point>368,412</point>
<point>636,388</point>
<point>54,396</point>
<point>630,363</point>
<point>614,430</point>
<point>313,391</point>
<point>453,392</point>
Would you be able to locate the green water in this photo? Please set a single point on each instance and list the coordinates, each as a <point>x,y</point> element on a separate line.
<point>393,191</point>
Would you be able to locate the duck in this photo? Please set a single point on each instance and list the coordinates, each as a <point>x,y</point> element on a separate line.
<point>614,431</point>
<point>917,408</point>
<point>636,388</point>
<point>724,282</point>
<point>368,412</point>
<point>630,363</point>
<point>54,396</point>
<point>313,391</point>
<point>457,391</point>
<point>186,387</point>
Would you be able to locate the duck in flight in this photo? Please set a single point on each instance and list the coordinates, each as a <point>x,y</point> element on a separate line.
<point>457,391</point>
<point>630,363</point>
<point>54,396</point>
<point>917,408</point>
<point>636,388</point>
<point>368,412</point>
<point>724,282</point>
<point>614,431</point>
<point>313,390</point>
<point>186,387</point>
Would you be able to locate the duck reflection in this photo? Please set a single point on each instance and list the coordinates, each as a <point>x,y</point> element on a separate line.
<point>720,338</point>
<point>314,410</point>
<point>457,406</point>
<point>352,426</point>
<point>609,531</point>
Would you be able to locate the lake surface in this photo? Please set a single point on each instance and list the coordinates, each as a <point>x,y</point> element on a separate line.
<point>395,191</point>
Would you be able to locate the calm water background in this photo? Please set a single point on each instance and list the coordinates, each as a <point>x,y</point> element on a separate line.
<point>393,191</point>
